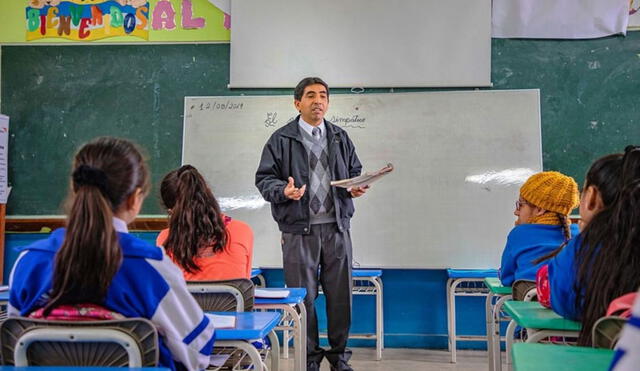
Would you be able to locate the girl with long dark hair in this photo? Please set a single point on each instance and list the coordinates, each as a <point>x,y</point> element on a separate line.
<point>206,244</point>
<point>94,260</point>
<point>603,261</point>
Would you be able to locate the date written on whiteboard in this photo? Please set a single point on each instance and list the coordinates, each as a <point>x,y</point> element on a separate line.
<point>217,106</point>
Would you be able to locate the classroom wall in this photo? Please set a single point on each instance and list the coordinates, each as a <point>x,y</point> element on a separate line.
<point>420,322</point>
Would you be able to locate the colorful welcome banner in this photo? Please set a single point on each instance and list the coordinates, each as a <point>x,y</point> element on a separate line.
<point>47,21</point>
<point>84,20</point>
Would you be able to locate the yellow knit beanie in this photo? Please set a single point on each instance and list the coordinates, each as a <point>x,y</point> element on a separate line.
<point>551,191</point>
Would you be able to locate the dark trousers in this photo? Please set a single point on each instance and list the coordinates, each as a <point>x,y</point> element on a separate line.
<point>329,250</point>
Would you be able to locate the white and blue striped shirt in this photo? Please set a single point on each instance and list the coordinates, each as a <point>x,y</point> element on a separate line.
<point>147,285</point>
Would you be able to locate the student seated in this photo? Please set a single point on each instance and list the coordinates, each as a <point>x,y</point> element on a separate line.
<point>95,260</point>
<point>543,224</point>
<point>602,262</point>
<point>206,244</point>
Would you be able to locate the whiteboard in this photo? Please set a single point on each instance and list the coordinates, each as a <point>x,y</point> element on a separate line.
<point>459,160</point>
<point>361,43</point>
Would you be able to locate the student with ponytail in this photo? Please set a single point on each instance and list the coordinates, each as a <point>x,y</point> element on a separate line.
<point>206,244</point>
<point>603,261</point>
<point>543,224</point>
<point>95,261</point>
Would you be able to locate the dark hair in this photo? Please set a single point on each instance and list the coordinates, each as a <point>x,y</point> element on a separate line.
<point>106,172</point>
<point>196,221</point>
<point>608,260</point>
<point>299,90</point>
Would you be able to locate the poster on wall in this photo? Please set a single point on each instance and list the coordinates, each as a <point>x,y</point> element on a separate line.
<point>87,20</point>
<point>634,15</point>
<point>4,162</point>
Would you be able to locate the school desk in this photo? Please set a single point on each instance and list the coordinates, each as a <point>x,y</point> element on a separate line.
<point>464,282</point>
<point>249,327</point>
<point>534,357</point>
<point>539,321</point>
<point>294,319</point>
<point>493,319</point>
<point>369,282</point>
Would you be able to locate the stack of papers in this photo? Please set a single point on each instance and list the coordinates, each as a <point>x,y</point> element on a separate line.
<point>222,321</point>
<point>364,179</point>
<point>271,294</point>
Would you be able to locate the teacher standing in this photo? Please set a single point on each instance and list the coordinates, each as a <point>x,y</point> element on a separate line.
<point>297,165</point>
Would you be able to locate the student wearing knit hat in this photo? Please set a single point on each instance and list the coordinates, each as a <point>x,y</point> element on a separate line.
<point>542,224</point>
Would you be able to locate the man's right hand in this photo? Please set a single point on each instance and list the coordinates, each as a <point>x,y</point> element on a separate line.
<point>293,193</point>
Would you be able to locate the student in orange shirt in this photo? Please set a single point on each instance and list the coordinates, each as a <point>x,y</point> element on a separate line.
<point>206,244</point>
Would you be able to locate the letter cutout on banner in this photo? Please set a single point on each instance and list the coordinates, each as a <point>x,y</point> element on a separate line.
<point>52,14</point>
<point>83,33</point>
<point>129,23</point>
<point>33,19</point>
<point>117,19</point>
<point>65,25</point>
<point>76,13</point>
<point>43,24</point>
<point>140,13</point>
<point>164,16</point>
<point>188,22</point>
<point>96,16</point>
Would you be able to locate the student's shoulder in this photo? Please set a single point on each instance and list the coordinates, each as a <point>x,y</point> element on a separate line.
<point>568,252</point>
<point>529,230</point>
<point>239,226</point>
<point>134,247</point>
<point>49,245</point>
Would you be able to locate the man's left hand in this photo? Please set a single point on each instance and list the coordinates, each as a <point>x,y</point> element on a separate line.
<point>358,191</point>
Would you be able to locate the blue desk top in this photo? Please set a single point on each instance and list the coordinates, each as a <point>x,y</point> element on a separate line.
<point>296,296</point>
<point>472,273</point>
<point>255,272</point>
<point>366,273</point>
<point>249,325</point>
<point>71,368</point>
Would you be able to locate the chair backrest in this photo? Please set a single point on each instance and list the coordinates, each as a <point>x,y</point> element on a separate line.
<point>523,290</point>
<point>235,295</point>
<point>131,342</point>
<point>606,331</point>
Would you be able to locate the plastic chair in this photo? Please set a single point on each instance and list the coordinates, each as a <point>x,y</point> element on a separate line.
<point>606,331</point>
<point>524,290</point>
<point>131,342</point>
<point>235,295</point>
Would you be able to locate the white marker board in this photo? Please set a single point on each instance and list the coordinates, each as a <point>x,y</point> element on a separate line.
<point>431,212</point>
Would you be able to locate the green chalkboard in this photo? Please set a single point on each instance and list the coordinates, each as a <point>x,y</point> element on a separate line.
<point>61,96</point>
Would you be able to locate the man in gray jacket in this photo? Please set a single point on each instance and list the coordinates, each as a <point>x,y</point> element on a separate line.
<point>298,163</point>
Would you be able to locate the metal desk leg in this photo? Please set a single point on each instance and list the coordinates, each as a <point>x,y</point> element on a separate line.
<point>379,318</point>
<point>451,301</point>
<point>511,330</point>
<point>275,351</point>
<point>488,308</point>
<point>497,354</point>
<point>248,348</point>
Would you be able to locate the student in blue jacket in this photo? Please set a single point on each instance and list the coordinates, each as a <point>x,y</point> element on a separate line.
<point>543,224</point>
<point>94,260</point>
<point>603,261</point>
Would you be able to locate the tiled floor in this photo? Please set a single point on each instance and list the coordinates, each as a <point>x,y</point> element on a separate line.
<point>407,359</point>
